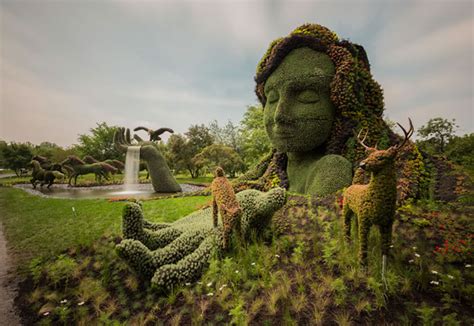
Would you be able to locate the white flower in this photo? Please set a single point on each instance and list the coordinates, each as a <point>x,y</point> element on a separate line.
<point>277,256</point>
<point>81,303</point>
<point>223,286</point>
<point>188,284</point>
<point>236,271</point>
<point>451,277</point>
<point>411,261</point>
<point>46,313</point>
<point>414,248</point>
<point>434,272</point>
<point>209,284</point>
<point>200,283</point>
<point>391,246</point>
<point>434,282</point>
<point>210,294</point>
<point>63,301</point>
<point>253,264</point>
<point>417,255</point>
<point>468,265</point>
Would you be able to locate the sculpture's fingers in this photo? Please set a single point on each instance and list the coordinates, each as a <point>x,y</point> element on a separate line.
<point>138,138</point>
<point>127,137</point>
<point>118,140</point>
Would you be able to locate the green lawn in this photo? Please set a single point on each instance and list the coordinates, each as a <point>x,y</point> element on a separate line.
<point>43,227</point>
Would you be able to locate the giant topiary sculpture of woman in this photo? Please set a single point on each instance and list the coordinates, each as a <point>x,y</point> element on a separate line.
<point>316,90</point>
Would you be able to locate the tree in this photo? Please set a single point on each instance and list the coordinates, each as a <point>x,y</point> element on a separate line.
<point>436,134</point>
<point>3,144</point>
<point>100,144</point>
<point>17,156</point>
<point>461,150</point>
<point>181,154</point>
<point>229,135</point>
<point>255,142</point>
<point>199,136</point>
<point>220,155</point>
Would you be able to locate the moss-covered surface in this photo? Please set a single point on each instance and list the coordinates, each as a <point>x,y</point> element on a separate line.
<point>172,254</point>
<point>161,177</point>
<point>350,100</point>
<point>307,275</point>
<point>225,204</point>
<point>373,203</point>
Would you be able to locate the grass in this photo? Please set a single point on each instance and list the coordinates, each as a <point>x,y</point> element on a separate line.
<point>307,275</point>
<point>43,227</point>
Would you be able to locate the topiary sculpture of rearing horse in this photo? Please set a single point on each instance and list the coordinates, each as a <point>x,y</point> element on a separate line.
<point>80,168</point>
<point>115,163</point>
<point>374,203</point>
<point>44,176</point>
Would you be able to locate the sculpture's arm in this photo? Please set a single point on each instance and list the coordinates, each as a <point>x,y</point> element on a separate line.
<point>161,176</point>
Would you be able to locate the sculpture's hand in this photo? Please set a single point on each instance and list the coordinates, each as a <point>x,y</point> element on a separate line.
<point>161,176</point>
<point>123,139</point>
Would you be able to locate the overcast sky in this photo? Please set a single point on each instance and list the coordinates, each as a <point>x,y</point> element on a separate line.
<point>66,65</point>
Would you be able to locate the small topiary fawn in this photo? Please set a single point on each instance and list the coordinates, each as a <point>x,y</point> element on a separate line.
<point>224,203</point>
<point>374,203</point>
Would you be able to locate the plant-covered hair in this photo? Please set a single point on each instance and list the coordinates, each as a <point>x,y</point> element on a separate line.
<point>357,97</point>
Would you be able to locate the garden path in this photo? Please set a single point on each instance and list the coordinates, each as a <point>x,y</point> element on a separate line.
<point>8,315</point>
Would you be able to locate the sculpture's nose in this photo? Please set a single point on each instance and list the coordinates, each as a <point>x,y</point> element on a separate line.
<point>282,112</point>
<point>362,165</point>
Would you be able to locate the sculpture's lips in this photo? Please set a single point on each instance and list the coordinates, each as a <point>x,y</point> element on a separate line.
<point>291,129</point>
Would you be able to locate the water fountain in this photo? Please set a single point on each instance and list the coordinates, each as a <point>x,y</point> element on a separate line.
<point>132,165</point>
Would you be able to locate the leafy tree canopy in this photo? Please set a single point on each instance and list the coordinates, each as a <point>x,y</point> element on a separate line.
<point>220,155</point>
<point>17,156</point>
<point>255,142</point>
<point>100,144</point>
<point>228,135</point>
<point>436,134</point>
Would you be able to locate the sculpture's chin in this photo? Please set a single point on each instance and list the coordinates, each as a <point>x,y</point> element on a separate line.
<point>290,145</point>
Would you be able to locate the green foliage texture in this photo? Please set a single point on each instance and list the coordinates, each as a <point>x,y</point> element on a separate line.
<point>171,254</point>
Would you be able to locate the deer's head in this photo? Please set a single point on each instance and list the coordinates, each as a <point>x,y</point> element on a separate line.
<point>377,159</point>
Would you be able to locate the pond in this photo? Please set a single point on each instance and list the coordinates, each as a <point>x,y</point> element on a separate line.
<point>143,191</point>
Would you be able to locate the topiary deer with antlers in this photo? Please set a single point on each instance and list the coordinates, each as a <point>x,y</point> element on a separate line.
<point>374,203</point>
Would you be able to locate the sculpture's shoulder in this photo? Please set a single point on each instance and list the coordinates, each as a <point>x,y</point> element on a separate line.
<point>335,162</point>
<point>331,173</point>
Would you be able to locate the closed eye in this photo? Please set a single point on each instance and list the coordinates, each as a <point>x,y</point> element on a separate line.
<point>308,96</point>
<point>272,97</point>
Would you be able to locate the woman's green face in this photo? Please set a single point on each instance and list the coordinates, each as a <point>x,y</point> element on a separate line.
<point>299,113</point>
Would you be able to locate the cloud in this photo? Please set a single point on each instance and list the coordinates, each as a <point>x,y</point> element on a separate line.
<point>177,63</point>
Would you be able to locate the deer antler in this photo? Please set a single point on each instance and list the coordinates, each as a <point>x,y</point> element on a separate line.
<point>362,141</point>
<point>408,134</point>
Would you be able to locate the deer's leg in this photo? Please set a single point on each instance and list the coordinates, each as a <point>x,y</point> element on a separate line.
<point>364,227</point>
<point>227,230</point>
<point>347,214</point>
<point>386,233</point>
<point>215,212</point>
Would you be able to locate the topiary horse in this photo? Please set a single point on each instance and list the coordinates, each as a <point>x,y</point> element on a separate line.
<point>44,176</point>
<point>80,168</point>
<point>119,166</point>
